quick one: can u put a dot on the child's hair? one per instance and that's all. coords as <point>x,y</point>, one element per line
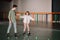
<point>14,6</point>
<point>27,12</point>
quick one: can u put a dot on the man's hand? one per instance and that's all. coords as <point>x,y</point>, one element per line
<point>10,21</point>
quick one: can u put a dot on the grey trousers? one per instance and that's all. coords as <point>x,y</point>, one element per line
<point>10,25</point>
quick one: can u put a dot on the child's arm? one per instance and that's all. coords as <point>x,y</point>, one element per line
<point>21,16</point>
<point>32,18</point>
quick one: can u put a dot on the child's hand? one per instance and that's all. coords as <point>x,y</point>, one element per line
<point>17,14</point>
<point>33,20</point>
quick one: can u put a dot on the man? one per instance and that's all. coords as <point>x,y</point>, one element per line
<point>12,20</point>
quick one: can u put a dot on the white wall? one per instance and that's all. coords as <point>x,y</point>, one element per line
<point>19,4</point>
<point>35,6</point>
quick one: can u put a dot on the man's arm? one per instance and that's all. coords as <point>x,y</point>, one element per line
<point>9,16</point>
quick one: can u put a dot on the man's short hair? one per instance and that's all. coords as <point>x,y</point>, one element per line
<point>14,5</point>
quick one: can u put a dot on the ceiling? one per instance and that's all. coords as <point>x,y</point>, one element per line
<point>6,0</point>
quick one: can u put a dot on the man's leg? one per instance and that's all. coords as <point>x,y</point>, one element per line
<point>15,29</point>
<point>9,27</point>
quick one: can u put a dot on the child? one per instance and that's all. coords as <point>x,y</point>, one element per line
<point>26,21</point>
<point>12,19</point>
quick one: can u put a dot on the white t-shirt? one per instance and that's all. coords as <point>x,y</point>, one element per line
<point>26,18</point>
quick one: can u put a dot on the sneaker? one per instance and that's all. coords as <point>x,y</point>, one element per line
<point>16,35</point>
<point>29,34</point>
<point>24,33</point>
<point>8,34</point>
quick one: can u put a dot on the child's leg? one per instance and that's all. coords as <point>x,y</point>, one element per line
<point>24,27</point>
<point>28,28</point>
<point>9,27</point>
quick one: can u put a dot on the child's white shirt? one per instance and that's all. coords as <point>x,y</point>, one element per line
<point>26,18</point>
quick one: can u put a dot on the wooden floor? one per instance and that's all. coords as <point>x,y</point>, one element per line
<point>39,31</point>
